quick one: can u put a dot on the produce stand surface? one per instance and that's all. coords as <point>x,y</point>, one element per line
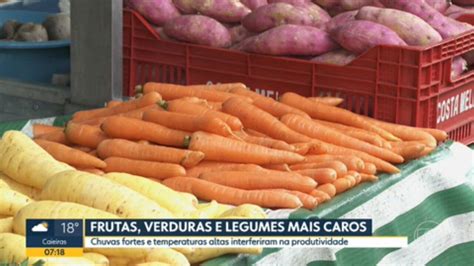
<point>431,202</point>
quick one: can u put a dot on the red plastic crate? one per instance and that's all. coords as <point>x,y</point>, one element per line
<point>404,85</point>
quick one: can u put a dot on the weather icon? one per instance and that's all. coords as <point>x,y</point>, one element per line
<point>42,227</point>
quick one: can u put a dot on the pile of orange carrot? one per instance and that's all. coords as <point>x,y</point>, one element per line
<point>227,143</point>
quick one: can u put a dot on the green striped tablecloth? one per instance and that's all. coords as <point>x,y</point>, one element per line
<point>431,202</point>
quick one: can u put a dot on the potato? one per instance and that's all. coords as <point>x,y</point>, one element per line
<point>446,26</point>
<point>30,32</point>
<point>9,29</point>
<point>340,20</point>
<point>254,4</point>
<point>359,36</point>
<point>458,67</point>
<point>229,11</point>
<point>11,201</point>
<point>58,26</point>
<point>339,57</point>
<point>166,255</point>
<point>273,15</point>
<point>412,29</point>
<point>198,29</point>
<point>58,261</point>
<point>157,12</point>
<point>13,248</point>
<point>290,40</point>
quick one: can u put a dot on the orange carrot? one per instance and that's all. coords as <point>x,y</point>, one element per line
<point>381,164</point>
<point>333,114</point>
<point>92,171</point>
<point>216,106</point>
<point>352,162</point>
<point>352,180</point>
<point>84,135</point>
<point>405,133</point>
<point>321,132</point>
<point>364,135</point>
<point>144,168</point>
<point>113,103</point>
<point>439,135</point>
<point>303,148</point>
<point>338,166</point>
<point>265,141</point>
<point>283,167</point>
<point>225,87</point>
<point>409,150</point>
<point>334,101</point>
<point>81,148</point>
<point>136,114</point>
<point>143,142</point>
<point>94,153</point>
<point>309,202</point>
<point>172,92</point>
<point>149,99</point>
<point>146,152</point>
<point>186,122</point>
<point>40,129</point>
<point>180,106</point>
<point>369,168</point>
<point>255,118</point>
<point>134,129</point>
<point>255,133</point>
<point>356,176</point>
<point>268,104</point>
<point>368,178</point>
<point>329,189</point>
<point>205,190</point>
<point>208,166</point>
<point>218,148</point>
<point>69,155</point>
<point>261,180</point>
<point>57,136</point>
<point>341,184</point>
<point>320,195</point>
<point>321,175</point>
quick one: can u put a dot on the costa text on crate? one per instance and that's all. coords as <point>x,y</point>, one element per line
<point>455,105</point>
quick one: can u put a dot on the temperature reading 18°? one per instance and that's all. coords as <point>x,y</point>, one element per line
<point>69,227</point>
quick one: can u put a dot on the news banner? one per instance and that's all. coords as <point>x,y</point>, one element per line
<point>68,238</point>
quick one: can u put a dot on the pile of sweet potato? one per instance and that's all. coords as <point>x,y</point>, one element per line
<point>327,31</point>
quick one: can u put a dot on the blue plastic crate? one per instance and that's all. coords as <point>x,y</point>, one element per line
<point>34,62</point>
<point>50,6</point>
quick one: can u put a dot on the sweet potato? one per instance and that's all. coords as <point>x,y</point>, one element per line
<point>458,67</point>
<point>254,4</point>
<point>440,5</point>
<point>318,15</point>
<point>229,11</point>
<point>273,15</point>
<point>340,20</point>
<point>157,12</point>
<point>359,36</point>
<point>412,29</point>
<point>199,30</point>
<point>185,6</point>
<point>290,40</point>
<point>239,33</point>
<point>339,57</point>
<point>355,4</point>
<point>446,26</point>
<point>456,12</point>
<point>327,3</point>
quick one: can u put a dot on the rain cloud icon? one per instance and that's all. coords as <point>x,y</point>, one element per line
<point>42,227</point>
